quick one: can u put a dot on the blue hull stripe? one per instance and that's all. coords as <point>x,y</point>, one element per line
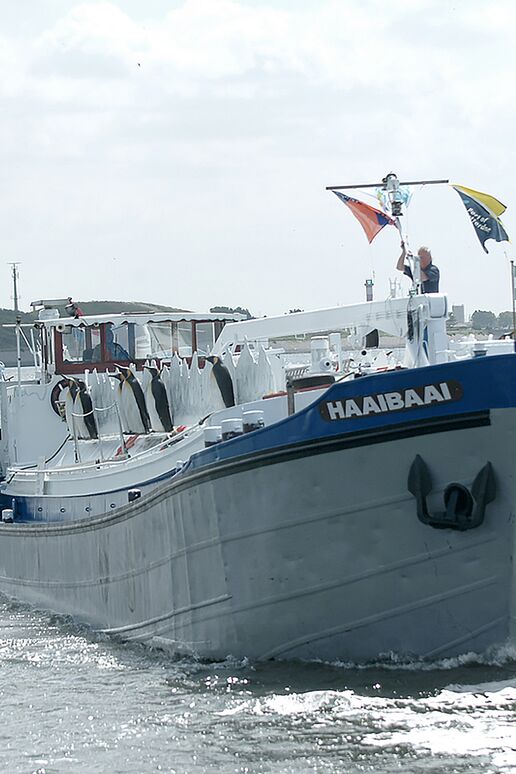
<point>192,477</point>
<point>480,384</point>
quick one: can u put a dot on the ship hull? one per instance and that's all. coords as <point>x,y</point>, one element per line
<point>310,550</point>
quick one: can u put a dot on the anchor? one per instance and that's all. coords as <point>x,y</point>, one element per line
<point>465,509</point>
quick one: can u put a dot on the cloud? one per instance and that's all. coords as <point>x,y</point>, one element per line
<point>209,130</point>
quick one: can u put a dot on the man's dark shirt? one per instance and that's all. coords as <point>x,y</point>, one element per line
<point>114,350</point>
<point>430,285</point>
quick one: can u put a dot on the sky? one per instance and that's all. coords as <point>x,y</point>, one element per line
<point>178,152</point>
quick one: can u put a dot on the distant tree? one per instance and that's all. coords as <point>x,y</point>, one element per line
<point>293,311</point>
<point>233,310</point>
<point>505,320</point>
<point>482,320</point>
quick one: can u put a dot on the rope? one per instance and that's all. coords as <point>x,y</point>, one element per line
<point>94,409</point>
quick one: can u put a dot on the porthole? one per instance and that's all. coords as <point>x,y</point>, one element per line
<point>63,510</point>
<point>87,509</point>
<point>113,505</point>
<point>40,509</point>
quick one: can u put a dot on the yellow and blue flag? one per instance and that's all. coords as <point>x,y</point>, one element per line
<point>484,211</point>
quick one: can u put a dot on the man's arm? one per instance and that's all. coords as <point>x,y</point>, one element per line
<point>401,260</point>
<point>407,271</point>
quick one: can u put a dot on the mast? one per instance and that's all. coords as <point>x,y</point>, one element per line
<point>391,185</point>
<point>15,276</point>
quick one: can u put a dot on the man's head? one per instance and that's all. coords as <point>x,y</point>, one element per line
<point>425,257</point>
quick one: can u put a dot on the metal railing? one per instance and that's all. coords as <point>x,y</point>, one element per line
<point>296,372</point>
<point>94,411</point>
<point>106,464</point>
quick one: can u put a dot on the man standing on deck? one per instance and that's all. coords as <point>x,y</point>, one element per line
<point>429,272</point>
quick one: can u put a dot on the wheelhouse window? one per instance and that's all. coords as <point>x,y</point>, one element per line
<point>73,344</point>
<point>205,337</point>
<point>159,342</point>
<point>103,345</point>
<point>117,342</point>
<point>80,344</point>
<point>184,339</point>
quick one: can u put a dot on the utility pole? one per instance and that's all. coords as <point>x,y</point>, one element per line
<point>15,276</point>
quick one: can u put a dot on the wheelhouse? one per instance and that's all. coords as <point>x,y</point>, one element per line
<point>103,341</point>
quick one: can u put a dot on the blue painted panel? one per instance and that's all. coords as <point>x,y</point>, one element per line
<point>483,383</point>
<point>47,508</point>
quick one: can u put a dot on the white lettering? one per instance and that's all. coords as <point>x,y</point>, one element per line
<point>394,401</point>
<point>389,401</point>
<point>370,405</point>
<point>336,410</point>
<point>432,394</point>
<point>412,399</point>
<point>445,391</point>
<point>352,409</point>
<point>383,403</point>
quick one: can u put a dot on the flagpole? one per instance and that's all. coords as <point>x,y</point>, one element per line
<point>513,306</point>
<point>380,185</point>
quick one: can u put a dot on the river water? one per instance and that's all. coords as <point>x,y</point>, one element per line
<point>72,701</point>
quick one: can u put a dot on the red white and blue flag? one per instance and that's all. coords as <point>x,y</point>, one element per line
<point>371,219</point>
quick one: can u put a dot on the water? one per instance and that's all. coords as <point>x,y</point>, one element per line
<point>72,701</point>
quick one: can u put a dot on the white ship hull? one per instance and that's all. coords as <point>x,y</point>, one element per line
<point>304,552</point>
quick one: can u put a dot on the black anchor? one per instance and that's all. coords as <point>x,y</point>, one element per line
<point>465,509</point>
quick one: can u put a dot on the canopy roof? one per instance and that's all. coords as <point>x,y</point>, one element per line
<point>141,318</point>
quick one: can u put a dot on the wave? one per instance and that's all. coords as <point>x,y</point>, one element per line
<point>495,656</point>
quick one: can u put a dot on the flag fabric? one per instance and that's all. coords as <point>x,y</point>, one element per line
<point>404,193</point>
<point>483,211</point>
<point>496,207</point>
<point>371,219</point>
